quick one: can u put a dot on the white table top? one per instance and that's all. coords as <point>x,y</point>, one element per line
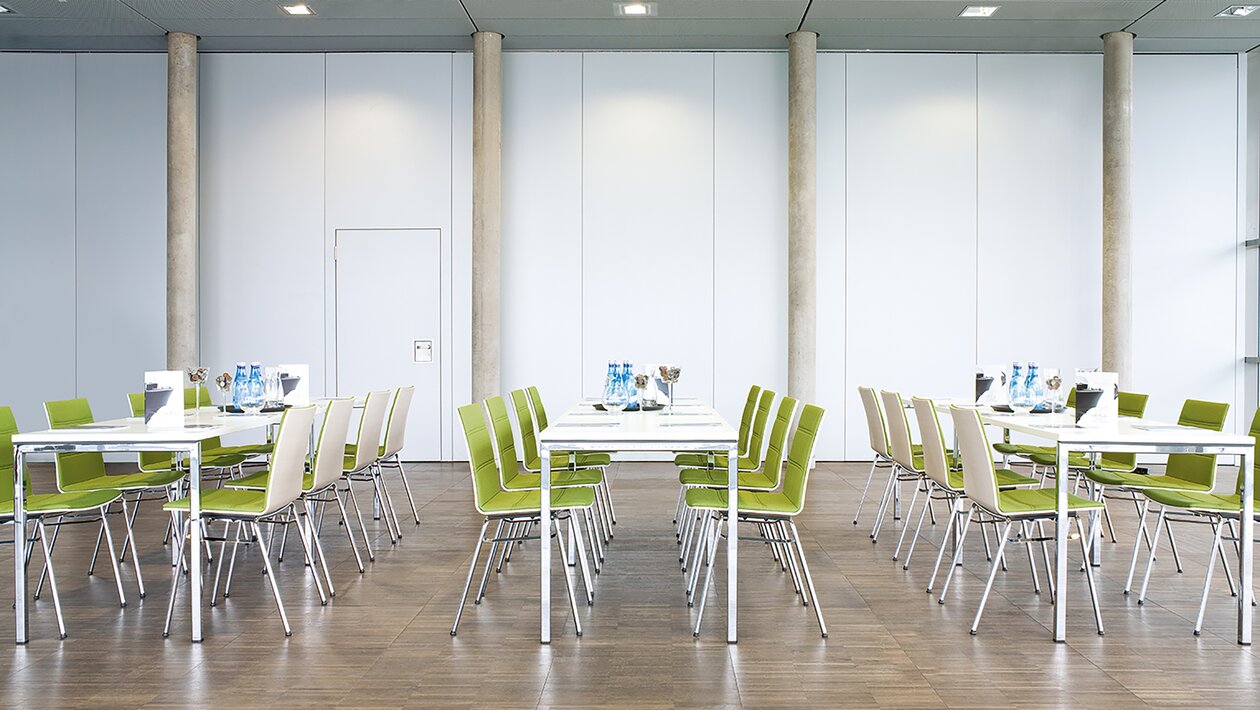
<point>1125,430</point>
<point>690,423</point>
<point>199,425</point>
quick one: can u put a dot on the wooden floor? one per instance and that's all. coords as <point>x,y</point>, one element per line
<point>384,641</point>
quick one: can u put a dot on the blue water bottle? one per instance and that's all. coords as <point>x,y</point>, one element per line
<point>239,385</point>
<point>1033,386</point>
<point>1016,388</point>
<point>632,392</point>
<point>255,388</point>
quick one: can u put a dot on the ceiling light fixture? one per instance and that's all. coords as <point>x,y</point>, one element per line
<point>979,10</point>
<point>1237,11</point>
<point>636,9</point>
<point>4,10</point>
<point>297,9</point>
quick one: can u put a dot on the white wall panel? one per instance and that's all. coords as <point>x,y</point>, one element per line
<point>832,388</point>
<point>647,215</point>
<point>542,225</point>
<point>37,230</point>
<point>1185,231</point>
<point>120,196</point>
<point>911,196</point>
<point>262,210</point>
<point>1040,210</point>
<point>749,227</point>
<point>389,146</point>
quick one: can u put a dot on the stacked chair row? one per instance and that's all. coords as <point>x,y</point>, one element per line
<point>975,490</point>
<point>507,492</point>
<point>291,486</point>
<point>769,497</point>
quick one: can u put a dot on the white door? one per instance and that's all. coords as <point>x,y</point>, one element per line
<point>388,321</point>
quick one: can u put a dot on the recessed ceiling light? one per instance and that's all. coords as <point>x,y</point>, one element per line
<point>979,10</point>
<point>297,9</point>
<point>636,9</point>
<point>1237,11</point>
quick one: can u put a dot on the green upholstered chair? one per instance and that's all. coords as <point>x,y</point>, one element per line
<point>514,478</point>
<point>362,464</point>
<point>515,509</point>
<point>274,504</point>
<point>1008,507</point>
<point>751,459</point>
<point>707,459</point>
<point>214,456</point>
<point>775,511</point>
<point>561,461</point>
<point>214,447</point>
<point>540,418</point>
<point>81,472</point>
<point>1216,509</point>
<point>767,479</point>
<point>56,508</point>
<point>945,480</point>
<point>1131,404</point>
<point>1006,448</point>
<point>319,483</point>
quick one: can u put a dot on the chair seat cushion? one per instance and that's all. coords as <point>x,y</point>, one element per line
<point>1143,482</point>
<point>1081,461</point>
<point>752,502</point>
<point>258,481</point>
<point>559,479</point>
<point>1028,501</point>
<point>352,449</point>
<point>714,478</point>
<point>46,503</point>
<point>225,501</point>
<point>530,501</point>
<point>248,450</point>
<point>1006,478</point>
<point>1192,500</point>
<point>126,482</point>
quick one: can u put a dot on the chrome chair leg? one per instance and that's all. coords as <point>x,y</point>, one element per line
<point>701,548</point>
<point>957,554</point>
<point>909,511</point>
<point>299,519</point>
<point>485,576</point>
<point>568,574</point>
<point>345,523</point>
<point>575,530</point>
<point>869,477</point>
<point>955,509</point>
<point>1026,529</point>
<point>1137,543</point>
<point>397,460</point>
<point>679,505</point>
<point>781,531</point>
<point>1089,575</point>
<point>712,544</point>
<point>1218,528</point>
<point>917,528</point>
<point>809,579</point>
<point>1150,562</point>
<point>984,598</point>
<point>472,568</point>
<point>275,586</point>
<point>180,535</point>
<point>354,500</point>
<point>52,576</point>
<point>884,502</point>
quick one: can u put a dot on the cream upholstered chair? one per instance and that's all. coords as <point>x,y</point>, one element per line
<point>877,432</point>
<point>361,465</point>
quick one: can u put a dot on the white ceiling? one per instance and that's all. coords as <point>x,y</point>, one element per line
<point>930,25</point>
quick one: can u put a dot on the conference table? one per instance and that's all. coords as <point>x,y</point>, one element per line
<point>129,435</point>
<point>688,425</point>
<point>1141,436</point>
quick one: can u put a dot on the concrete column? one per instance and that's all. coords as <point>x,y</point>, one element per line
<point>802,214</point>
<point>181,200</point>
<point>1117,263</point>
<point>487,217</point>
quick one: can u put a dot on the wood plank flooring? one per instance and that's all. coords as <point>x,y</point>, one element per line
<point>383,641</point>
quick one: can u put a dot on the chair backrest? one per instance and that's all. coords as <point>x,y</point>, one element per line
<point>1198,468</point>
<point>525,423</point>
<point>797,476</point>
<point>330,446</point>
<point>79,466</point>
<point>540,412</point>
<point>396,426</point>
<point>368,442</point>
<point>190,397</point>
<point>149,460</point>
<point>876,429</point>
<point>8,427</point>
<point>899,443</point>
<point>746,419</point>
<point>485,473</point>
<point>935,464</point>
<point>288,458</point>
<point>505,443</point>
<point>1255,461</point>
<point>772,465</point>
<point>756,438</point>
<point>979,479</point>
<point>1130,404</point>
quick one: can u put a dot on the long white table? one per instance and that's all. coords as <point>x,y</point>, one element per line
<point>126,435</point>
<point>690,426</point>
<point>1138,436</point>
